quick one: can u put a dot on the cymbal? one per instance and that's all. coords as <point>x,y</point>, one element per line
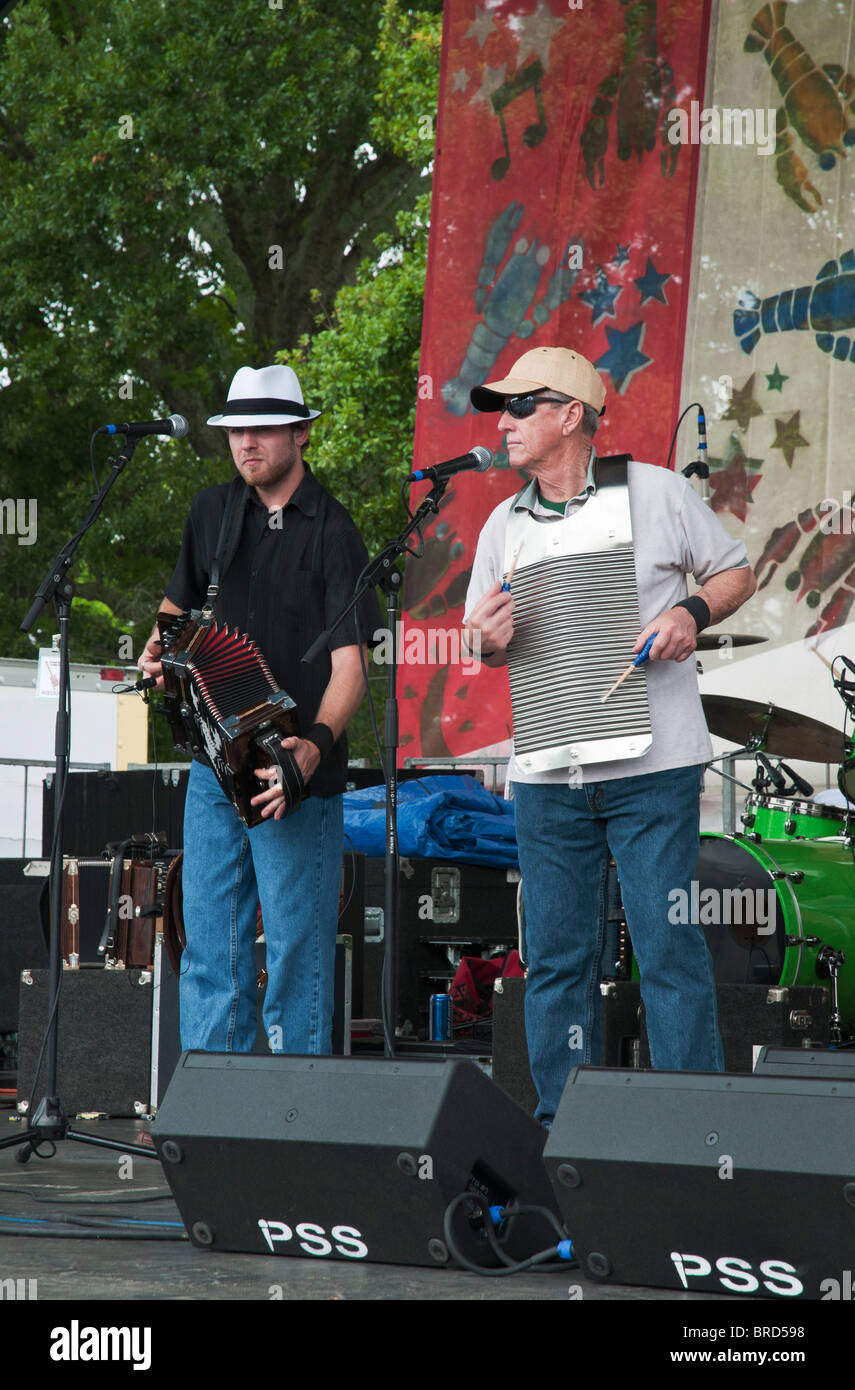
<point>711,641</point>
<point>784,733</point>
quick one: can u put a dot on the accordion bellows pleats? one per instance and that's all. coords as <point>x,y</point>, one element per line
<point>224,705</point>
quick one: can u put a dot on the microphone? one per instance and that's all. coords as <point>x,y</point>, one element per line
<point>175,425</point>
<point>702,432</point>
<point>774,774</point>
<point>478,459</point>
<point>798,782</point>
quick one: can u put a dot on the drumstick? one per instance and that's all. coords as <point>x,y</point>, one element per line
<point>506,587</point>
<point>642,656</point>
<point>824,659</point>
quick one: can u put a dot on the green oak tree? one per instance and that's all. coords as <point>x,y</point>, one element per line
<point>185,188</point>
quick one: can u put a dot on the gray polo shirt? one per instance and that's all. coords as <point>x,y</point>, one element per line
<point>674,534</point>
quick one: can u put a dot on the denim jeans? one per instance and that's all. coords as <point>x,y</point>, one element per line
<point>564,833</point>
<point>293,867</point>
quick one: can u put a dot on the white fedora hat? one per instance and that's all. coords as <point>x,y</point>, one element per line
<point>268,396</point>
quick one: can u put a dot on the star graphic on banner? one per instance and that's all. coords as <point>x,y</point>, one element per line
<point>743,406</point>
<point>459,80</point>
<point>536,34</point>
<point>651,283</point>
<point>480,28</point>
<point>601,298</point>
<point>491,78</point>
<point>624,357</point>
<point>788,439</point>
<point>621,255</point>
<point>776,379</point>
<point>733,480</point>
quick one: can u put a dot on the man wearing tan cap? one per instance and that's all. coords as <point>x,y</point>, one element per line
<point>641,808</point>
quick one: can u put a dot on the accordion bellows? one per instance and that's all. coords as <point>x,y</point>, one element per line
<point>224,705</point>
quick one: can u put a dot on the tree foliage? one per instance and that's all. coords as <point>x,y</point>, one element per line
<point>184,189</point>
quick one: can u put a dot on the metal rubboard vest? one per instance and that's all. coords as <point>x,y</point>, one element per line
<point>576,620</point>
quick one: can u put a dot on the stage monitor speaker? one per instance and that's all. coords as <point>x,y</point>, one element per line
<point>707,1182</point>
<point>348,1158</point>
<point>824,1064</point>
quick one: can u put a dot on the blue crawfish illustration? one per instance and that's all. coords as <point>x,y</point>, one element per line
<point>817,101</point>
<point>504,299</point>
<point>824,308</point>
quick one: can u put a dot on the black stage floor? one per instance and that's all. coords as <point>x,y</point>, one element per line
<point>70,1286</point>
<point>85,1182</point>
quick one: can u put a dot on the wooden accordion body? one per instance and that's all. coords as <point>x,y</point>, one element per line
<point>223,704</point>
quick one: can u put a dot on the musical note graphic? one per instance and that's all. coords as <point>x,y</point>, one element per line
<point>528,77</point>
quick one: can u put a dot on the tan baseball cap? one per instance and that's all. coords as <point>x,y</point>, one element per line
<point>552,368</point>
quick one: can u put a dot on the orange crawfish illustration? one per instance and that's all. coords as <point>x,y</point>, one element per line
<point>817,101</point>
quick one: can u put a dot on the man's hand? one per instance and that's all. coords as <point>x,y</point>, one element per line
<point>307,756</point>
<point>678,636</point>
<point>150,663</point>
<point>491,623</point>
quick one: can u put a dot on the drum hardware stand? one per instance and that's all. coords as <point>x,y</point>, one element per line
<point>50,1121</point>
<point>828,963</point>
<point>728,804</point>
<point>383,572</point>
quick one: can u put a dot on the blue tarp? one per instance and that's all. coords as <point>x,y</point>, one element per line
<point>439,818</point>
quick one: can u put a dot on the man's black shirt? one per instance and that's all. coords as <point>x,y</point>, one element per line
<point>291,575</point>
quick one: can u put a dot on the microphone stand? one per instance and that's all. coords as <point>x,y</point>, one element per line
<point>383,572</point>
<point>50,1122</point>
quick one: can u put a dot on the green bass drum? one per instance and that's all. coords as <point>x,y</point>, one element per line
<point>751,897</point>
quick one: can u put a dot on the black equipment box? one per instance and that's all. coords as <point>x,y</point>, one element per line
<point>510,1050</point>
<point>23,938</point>
<point>166,1036</point>
<point>445,910</point>
<point>749,1016</point>
<point>103,1039</point>
<point>103,807</point>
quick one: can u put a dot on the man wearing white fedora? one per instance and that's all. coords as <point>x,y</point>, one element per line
<point>290,556</point>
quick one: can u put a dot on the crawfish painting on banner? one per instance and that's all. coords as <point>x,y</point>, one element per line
<point>771,337</point>
<point>562,214</point>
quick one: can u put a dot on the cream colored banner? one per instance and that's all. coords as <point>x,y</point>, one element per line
<point>770,347</point>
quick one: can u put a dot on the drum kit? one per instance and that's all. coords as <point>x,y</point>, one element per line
<point>780,892</point>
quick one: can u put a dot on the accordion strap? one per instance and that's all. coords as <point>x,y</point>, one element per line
<point>227,541</point>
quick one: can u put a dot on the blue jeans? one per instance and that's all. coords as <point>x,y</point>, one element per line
<point>564,834</point>
<point>293,867</point>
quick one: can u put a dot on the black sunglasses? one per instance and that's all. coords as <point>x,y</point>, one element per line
<point>520,407</point>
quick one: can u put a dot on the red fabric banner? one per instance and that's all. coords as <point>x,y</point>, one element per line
<point>562,214</point>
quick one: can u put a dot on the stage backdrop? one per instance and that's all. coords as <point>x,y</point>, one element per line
<point>652,189</point>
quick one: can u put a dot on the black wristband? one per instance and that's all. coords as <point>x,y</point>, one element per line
<point>322,736</point>
<point>699,610</point>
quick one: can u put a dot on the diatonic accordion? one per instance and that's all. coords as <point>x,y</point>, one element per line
<point>225,707</point>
